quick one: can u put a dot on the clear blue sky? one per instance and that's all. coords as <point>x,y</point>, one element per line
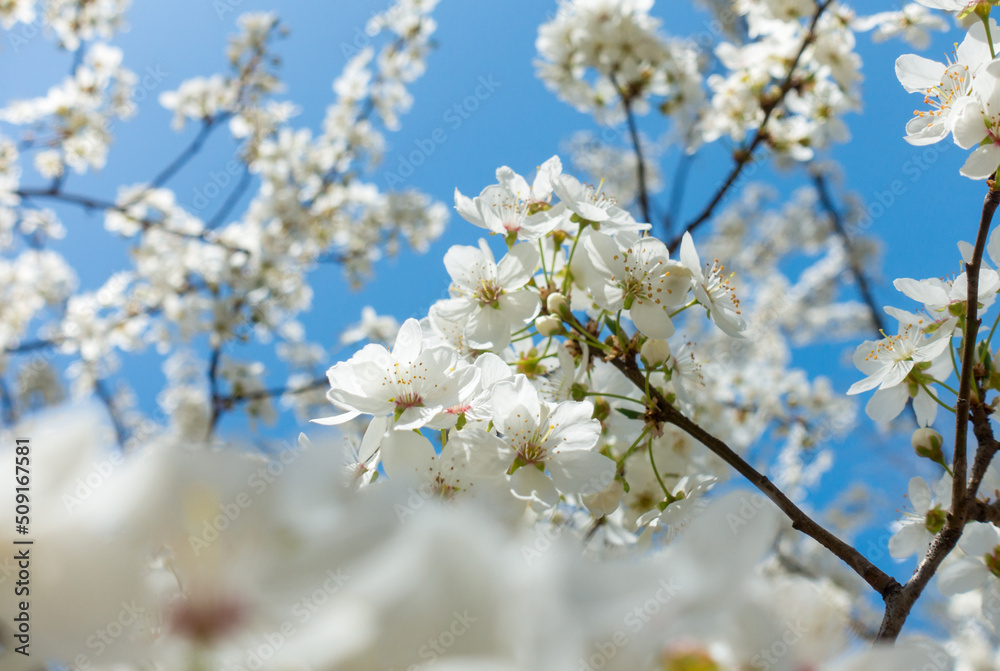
<point>520,124</point>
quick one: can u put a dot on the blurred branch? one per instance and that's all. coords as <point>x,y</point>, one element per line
<point>91,203</point>
<point>677,191</point>
<point>241,187</point>
<point>633,131</point>
<point>744,154</point>
<point>102,392</point>
<point>837,220</point>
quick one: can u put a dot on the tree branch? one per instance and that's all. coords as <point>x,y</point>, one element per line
<point>899,604</point>
<point>744,154</point>
<point>662,411</point>
<point>634,133</point>
<point>231,200</point>
<point>208,124</point>
<point>677,191</point>
<point>837,220</point>
<point>91,203</point>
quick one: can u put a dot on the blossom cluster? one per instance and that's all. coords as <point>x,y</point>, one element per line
<point>534,472</point>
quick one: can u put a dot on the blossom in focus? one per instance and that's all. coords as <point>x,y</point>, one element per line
<point>412,383</point>
<point>490,298</point>
<point>947,86</point>
<point>551,444</point>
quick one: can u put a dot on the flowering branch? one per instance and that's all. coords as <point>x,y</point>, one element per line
<point>899,604</point>
<point>90,203</point>
<point>661,410</point>
<point>744,154</point>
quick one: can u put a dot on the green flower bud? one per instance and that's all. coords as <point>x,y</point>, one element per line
<point>927,443</point>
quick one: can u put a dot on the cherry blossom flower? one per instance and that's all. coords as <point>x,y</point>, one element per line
<point>412,383</point>
<point>914,533</point>
<point>947,87</point>
<point>890,361</point>
<point>713,289</point>
<point>490,298</point>
<point>551,443</point>
<point>636,274</point>
<point>511,207</point>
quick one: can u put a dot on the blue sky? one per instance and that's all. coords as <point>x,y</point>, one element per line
<point>519,123</point>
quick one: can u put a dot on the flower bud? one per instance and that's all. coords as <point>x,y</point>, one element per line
<point>927,443</point>
<point>549,325</point>
<point>654,352</point>
<point>557,303</point>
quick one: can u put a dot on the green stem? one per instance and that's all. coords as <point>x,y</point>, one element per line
<point>939,402</point>
<point>572,251</point>
<point>624,398</point>
<point>989,38</point>
<point>954,361</point>
<point>656,472</point>
<point>541,254</point>
<point>631,449</point>
<point>681,309</point>
<point>947,386</point>
<point>992,330</point>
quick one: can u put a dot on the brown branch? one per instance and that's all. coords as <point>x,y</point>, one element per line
<point>662,411</point>
<point>987,448</point>
<point>744,154</point>
<point>90,203</point>
<point>634,133</point>
<point>980,511</point>
<point>837,220</point>
<point>899,604</point>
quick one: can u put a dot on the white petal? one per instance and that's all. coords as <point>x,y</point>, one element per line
<point>652,320</point>
<point>920,495</point>
<point>979,538</point>
<point>982,163</point>
<point>910,539</point>
<point>917,73</point>
<point>405,453</point>
<point>409,340</point>
<point>531,484</point>
<point>516,268</point>
<point>886,404</point>
<point>581,472</point>
<point>961,576</point>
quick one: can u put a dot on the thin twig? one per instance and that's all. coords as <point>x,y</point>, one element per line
<point>316,383</point>
<point>213,381</point>
<point>230,201</point>
<point>864,288</point>
<point>634,133</point>
<point>208,124</point>
<point>744,154</point>
<point>102,393</point>
<point>677,191</point>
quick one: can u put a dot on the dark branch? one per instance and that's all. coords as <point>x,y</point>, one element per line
<point>837,220</point>
<point>744,154</point>
<point>219,217</point>
<point>662,411</point>
<point>899,604</point>
<point>636,145</point>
